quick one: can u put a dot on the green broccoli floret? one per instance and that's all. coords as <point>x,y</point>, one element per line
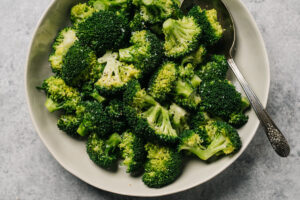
<point>115,75</point>
<point>65,39</point>
<point>120,7</point>
<point>162,82</point>
<point>179,117</point>
<point>80,13</point>
<point>215,69</point>
<point>77,65</point>
<point>195,57</point>
<point>103,152</point>
<point>69,124</point>
<point>137,23</point>
<point>186,71</point>
<point>133,152</point>
<point>89,92</point>
<point>115,112</point>
<point>163,167</point>
<point>145,52</point>
<point>147,116</point>
<point>60,95</point>
<point>153,11</point>
<point>223,139</point>
<point>239,119</point>
<point>220,99</point>
<point>103,31</point>
<point>211,28</point>
<point>181,36</point>
<point>198,119</point>
<point>94,119</point>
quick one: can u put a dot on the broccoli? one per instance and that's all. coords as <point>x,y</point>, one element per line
<point>65,39</point>
<point>211,28</point>
<point>181,36</point>
<point>215,69</point>
<point>94,119</point>
<point>69,124</point>
<point>115,112</point>
<point>133,152</point>
<point>120,7</point>
<point>77,65</point>
<point>220,99</point>
<point>60,95</point>
<point>153,11</point>
<point>238,119</point>
<point>186,71</point>
<point>90,93</point>
<point>163,166</point>
<point>137,23</point>
<point>179,117</point>
<point>80,13</point>
<point>195,57</point>
<point>222,138</point>
<point>103,152</point>
<point>198,119</point>
<point>162,82</point>
<point>147,116</point>
<point>145,52</point>
<point>103,31</point>
<point>115,75</point>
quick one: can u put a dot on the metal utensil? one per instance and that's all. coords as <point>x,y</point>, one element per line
<point>227,47</point>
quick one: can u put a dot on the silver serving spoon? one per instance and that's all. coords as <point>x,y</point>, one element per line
<point>226,47</point>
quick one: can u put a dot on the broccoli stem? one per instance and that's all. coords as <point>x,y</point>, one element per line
<point>82,130</point>
<point>183,88</point>
<point>195,81</point>
<point>97,96</point>
<point>165,126</point>
<point>51,105</point>
<point>126,54</point>
<point>152,114</point>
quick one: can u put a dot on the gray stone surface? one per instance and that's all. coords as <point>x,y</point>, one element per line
<point>28,171</point>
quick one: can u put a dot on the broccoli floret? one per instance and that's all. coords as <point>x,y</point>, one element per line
<point>69,124</point>
<point>65,39</point>
<point>103,152</point>
<point>115,75</point>
<point>220,99</point>
<point>162,82</point>
<point>120,7</point>
<point>60,95</point>
<point>223,139</point>
<point>89,92</point>
<point>195,57</point>
<point>215,69</point>
<point>103,31</point>
<point>153,11</point>
<point>94,119</point>
<point>179,117</point>
<point>163,166</point>
<point>147,116</point>
<point>186,71</point>
<point>198,119</point>
<point>239,119</point>
<point>181,36</point>
<point>80,13</point>
<point>115,111</point>
<point>145,52</point>
<point>245,104</point>
<point>137,23</point>
<point>211,28</point>
<point>133,152</point>
<point>77,65</point>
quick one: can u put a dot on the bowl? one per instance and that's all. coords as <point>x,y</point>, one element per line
<point>251,57</point>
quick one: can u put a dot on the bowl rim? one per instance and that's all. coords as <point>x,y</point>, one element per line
<point>221,169</point>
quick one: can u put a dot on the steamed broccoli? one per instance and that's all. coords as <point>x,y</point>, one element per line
<point>78,64</point>
<point>80,12</point>
<point>145,52</point>
<point>115,112</point>
<point>215,69</point>
<point>181,36</point>
<point>223,139</point>
<point>153,11</point>
<point>103,152</point>
<point>103,31</point>
<point>148,117</point>
<point>137,23</point>
<point>163,166</point>
<point>196,57</point>
<point>115,75</point>
<point>211,28</point>
<point>89,92</point>
<point>238,119</point>
<point>162,82</point>
<point>133,152</point>
<point>65,39</point>
<point>94,119</point>
<point>198,119</point>
<point>60,95</point>
<point>120,7</point>
<point>179,117</point>
<point>69,124</point>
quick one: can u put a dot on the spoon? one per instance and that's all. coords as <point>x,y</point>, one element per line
<point>227,46</point>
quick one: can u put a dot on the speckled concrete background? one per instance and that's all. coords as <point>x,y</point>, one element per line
<point>28,171</point>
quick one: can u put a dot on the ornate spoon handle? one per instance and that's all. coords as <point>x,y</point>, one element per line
<point>276,138</point>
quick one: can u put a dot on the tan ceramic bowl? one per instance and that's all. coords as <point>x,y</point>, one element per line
<point>251,58</point>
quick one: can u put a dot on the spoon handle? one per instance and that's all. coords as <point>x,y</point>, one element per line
<point>276,138</point>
